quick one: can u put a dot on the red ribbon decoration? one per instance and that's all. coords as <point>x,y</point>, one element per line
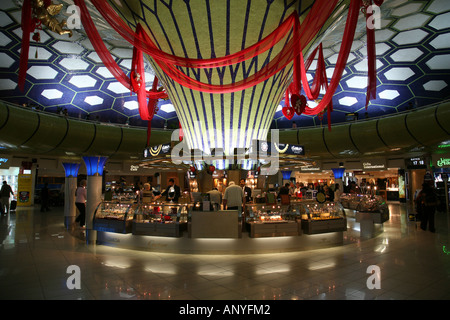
<point>291,52</point>
<point>27,28</point>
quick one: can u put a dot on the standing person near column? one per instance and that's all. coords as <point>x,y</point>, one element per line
<point>428,200</point>
<point>5,192</point>
<point>80,202</point>
<point>45,195</point>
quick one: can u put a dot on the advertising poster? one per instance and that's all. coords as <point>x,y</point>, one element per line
<point>24,190</point>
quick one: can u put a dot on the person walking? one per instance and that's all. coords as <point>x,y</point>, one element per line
<point>80,202</point>
<point>5,193</point>
<point>45,194</point>
<point>427,200</point>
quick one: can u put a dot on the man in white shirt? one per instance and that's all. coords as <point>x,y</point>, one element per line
<point>233,197</point>
<point>215,196</point>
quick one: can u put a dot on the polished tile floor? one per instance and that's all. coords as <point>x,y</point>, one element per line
<point>36,251</point>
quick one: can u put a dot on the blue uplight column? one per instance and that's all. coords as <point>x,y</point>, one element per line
<point>338,174</point>
<point>70,185</point>
<point>94,170</point>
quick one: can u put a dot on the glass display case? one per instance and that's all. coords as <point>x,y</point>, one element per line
<point>323,217</point>
<point>113,216</point>
<point>263,220</point>
<point>373,204</point>
<point>167,219</point>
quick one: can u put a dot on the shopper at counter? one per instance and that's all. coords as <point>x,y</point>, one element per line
<point>329,194</point>
<point>147,193</point>
<point>283,190</point>
<point>234,197</point>
<point>247,190</point>
<point>172,192</point>
<point>215,196</point>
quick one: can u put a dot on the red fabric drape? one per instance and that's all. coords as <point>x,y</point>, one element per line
<point>314,21</point>
<point>172,65</point>
<point>371,60</point>
<point>347,40</point>
<point>27,28</point>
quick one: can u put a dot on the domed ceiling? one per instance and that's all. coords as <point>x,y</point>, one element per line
<point>413,62</point>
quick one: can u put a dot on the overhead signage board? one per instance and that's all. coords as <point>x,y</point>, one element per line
<point>416,163</point>
<point>440,160</point>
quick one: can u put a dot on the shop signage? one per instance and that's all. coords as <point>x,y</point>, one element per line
<point>134,168</point>
<point>308,169</point>
<point>443,162</point>
<point>157,150</point>
<point>371,165</point>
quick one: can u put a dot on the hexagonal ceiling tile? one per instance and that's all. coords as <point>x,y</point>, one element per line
<point>131,105</point>
<point>358,82</point>
<point>441,41</point>
<point>389,94</point>
<point>94,57</point>
<point>4,19</point>
<point>399,74</point>
<point>74,64</point>
<point>42,72</point>
<point>38,53</point>
<point>406,55</point>
<point>439,62</point>
<point>440,22</point>
<point>439,6</point>
<point>4,40</point>
<point>122,53</point>
<point>348,101</point>
<point>411,22</point>
<point>117,87</point>
<point>83,81</point>
<point>104,72</point>
<point>407,9</point>
<point>93,100</point>
<point>410,37</point>
<point>5,60</point>
<point>168,107</point>
<point>435,85</point>
<point>52,94</point>
<point>68,47</point>
<point>7,84</point>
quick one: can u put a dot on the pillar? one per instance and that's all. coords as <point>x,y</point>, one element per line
<point>338,174</point>
<point>94,170</point>
<point>70,186</point>
<point>286,177</point>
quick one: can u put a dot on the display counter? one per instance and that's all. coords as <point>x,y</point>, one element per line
<point>371,211</point>
<point>263,220</point>
<point>113,216</point>
<point>215,224</point>
<point>166,219</point>
<point>305,216</point>
<point>322,217</point>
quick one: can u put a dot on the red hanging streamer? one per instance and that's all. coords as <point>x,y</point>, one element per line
<point>303,33</point>
<point>27,28</point>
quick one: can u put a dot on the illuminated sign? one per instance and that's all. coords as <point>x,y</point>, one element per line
<point>134,168</point>
<point>443,162</point>
<point>2,161</point>
<point>416,163</point>
<point>370,165</point>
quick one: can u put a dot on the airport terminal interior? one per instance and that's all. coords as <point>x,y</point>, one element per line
<point>225,150</point>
